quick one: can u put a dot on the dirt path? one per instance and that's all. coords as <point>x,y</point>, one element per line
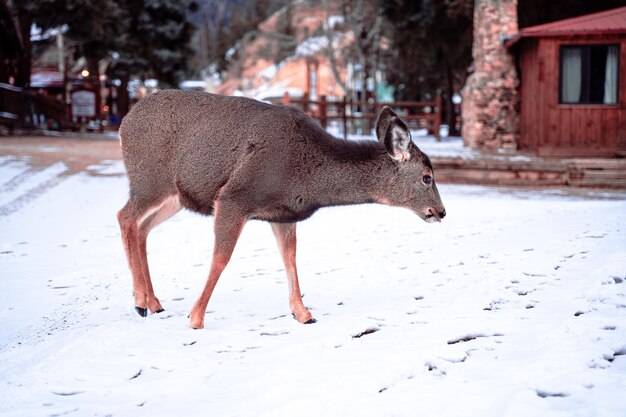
<point>45,162</point>
<point>76,153</point>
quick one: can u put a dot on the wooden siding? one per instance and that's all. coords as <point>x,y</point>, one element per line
<point>550,128</point>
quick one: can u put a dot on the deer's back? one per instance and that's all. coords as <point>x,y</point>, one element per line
<point>195,144</point>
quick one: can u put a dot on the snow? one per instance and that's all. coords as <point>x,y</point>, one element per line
<point>444,147</point>
<point>311,46</point>
<point>269,72</point>
<point>447,146</point>
<point>335,20</point>
<point>513,306</point>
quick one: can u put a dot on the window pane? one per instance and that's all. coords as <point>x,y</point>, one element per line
<point>597,73</point>
<point>610,77</point>
<point>571,75</point>
<point>589,74</point>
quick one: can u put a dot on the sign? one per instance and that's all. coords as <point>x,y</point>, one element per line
<point>46,79</point>
<point>83,103</point>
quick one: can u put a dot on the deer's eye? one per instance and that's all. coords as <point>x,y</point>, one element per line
<point>427,179</point>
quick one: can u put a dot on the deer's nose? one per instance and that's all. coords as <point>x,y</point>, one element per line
<point>442,213</point>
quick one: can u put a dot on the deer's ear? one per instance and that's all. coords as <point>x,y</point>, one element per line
<point>394,134</point>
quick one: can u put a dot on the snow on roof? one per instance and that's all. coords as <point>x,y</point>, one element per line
<point>269,72</point>
<point>312,46</point>
<point>38,34</point>
<point>267,93</point>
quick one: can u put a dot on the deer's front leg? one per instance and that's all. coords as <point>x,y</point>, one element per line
<point>286,237</point>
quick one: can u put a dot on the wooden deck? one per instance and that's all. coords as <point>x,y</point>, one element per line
<point>534,172</point>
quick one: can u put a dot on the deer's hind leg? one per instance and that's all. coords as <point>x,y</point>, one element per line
<point>135,224</point>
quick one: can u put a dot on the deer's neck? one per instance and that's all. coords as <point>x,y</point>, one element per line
<point>352,173</point>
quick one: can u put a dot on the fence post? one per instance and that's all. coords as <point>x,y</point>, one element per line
<point>437,123</point>
<point>344,117</point>
<point>323,109</point>
<point>286,99</point>
<point>305,103</point>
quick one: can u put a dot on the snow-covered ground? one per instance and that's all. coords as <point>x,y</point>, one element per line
<point>513,306</point>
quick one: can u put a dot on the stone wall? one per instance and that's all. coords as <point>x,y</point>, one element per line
<point>490,97</point>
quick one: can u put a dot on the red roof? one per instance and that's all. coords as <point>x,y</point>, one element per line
<point>602,23</point>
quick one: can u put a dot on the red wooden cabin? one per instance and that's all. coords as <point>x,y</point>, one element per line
<point>573,85</point>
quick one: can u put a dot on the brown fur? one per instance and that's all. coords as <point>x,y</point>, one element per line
<point>241,159</point>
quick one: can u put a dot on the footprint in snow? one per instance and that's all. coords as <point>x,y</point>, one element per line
<point>471,336</point>
<point>495,305</point>
<point>611,357</point>
<point>279,333</point>
<point>434,369</point>
<point>369,330</point>
<point>68,393</point>
<point>546,394</point>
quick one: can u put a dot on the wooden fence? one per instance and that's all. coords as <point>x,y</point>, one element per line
<point>10,105</point>
<point>349,115</point>
<point>48,110</point>
<point>28,109</point>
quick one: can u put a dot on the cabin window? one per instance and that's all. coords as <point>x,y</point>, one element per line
<point>589,74</point>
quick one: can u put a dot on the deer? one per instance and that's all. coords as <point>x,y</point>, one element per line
<point>240,159</point>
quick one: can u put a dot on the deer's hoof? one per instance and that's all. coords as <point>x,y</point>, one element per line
<point>159,311</point>
<point>143,312</point>
<point>196,326</point>
<point>303,320</point>
<point>194,322</point>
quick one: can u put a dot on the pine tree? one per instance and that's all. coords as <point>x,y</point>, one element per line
<point>145,38</point>
<point>433,45</point>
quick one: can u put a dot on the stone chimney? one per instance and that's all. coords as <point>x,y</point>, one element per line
<point>490,98</point>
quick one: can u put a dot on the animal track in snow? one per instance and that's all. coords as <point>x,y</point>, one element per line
<point>546,394</point>
<point>278,333</point>
<point>471,336</point>
<point>611,357</point>
<point>495,304</point>
<point>434,369</point>
<point>369,330</point>
<point>607,359</point>
<point>67,393</point>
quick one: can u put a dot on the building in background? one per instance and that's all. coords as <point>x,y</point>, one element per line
<point>554,89</point>
<point>573,85</point>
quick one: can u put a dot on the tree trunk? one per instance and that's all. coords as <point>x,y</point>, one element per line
<point>24,65</point>
<point>122,97</point>
<point>490,96</point>
<point>450,114</point>
<point>94,81</point>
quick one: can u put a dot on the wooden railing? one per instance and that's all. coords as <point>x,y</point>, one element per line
<point>43,109</point>
<point>10,105</point>
<point>27,109</point>
<point>349,114</point>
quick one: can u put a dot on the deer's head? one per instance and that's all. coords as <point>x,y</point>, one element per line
<point>413,185</point>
